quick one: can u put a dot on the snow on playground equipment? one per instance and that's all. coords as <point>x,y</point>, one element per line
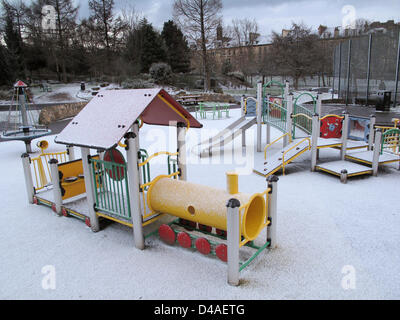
<point>21,124</point>
<point>106,186</point>
<point>303,130</point>
<point>246,121</point>
<point>386,149</point>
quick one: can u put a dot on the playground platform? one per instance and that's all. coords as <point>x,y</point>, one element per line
<point>367,157</point>
<point>340,168</point>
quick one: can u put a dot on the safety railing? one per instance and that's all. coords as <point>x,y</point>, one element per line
<point>302,120</point>
<point>143,156</point>
<point>396,123</point>
<point>41,168</point>
<point>111,188</point>
<point>275,115</point>
<point>391,141</point>
<point>273,90</point>
<point>293,147</point>
<point>275,141</point>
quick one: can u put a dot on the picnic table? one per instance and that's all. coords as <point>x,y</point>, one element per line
<point>189,100</point>
<point>45,87</point>
<point>214,108</point>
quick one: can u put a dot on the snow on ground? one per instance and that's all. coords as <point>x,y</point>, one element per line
<point>325,229</point>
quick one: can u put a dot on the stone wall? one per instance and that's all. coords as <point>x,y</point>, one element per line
<point>60,112</point>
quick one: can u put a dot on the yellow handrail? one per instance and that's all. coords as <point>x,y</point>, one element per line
<point>332,115</point>
<point>176,111</point>
<point>297,144</point>
<point>39,168</point>
<point>156,155</point>
<point>303,115</point>
<point>272,143</point>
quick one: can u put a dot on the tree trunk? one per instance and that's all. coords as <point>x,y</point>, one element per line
<point>204,50</point>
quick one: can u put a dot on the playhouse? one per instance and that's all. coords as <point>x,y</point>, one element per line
<point>112,181</point>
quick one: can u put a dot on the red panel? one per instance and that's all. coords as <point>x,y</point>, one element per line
<point>184,240</point>
<point>115,156</point>
<point>221,251</point>
<point>203,246</point>
<point>159,113</point>
<point>205,228</point>
<point>167,234</point>
<point>331,127</point>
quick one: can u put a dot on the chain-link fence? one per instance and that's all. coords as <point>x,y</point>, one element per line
<point>366,69</point>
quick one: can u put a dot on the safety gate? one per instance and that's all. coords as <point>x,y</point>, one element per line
<point>111,188</point>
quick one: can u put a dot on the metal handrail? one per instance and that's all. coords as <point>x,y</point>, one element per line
<point>275,141</point>
<point>297,144</point>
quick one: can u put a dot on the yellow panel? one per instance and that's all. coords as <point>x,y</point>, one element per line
<point>72,169</point>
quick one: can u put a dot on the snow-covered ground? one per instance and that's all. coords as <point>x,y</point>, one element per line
<point>335,241</point>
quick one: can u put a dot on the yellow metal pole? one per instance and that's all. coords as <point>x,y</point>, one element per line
<point>232,182</point>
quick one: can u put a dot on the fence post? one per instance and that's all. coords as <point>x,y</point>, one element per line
<point>30,189</point>
<point>348,73</point>
<point>133,185</point>
<point>272,182</point>
<point>318,107</point>
<point>242,105</point>
<point>181,144</point>
<point>371,135</point>
<point>397,73</point>
<point>55,180</point>
<point>267,111</point>
<point>368,66</point>
<point>289,119</point>
<point>233,238</point>
<point>343,176</point>
<point>260,103</point>
<point>377,151</point>
<point>340,69</point>
<point>345,134</point>
<point>287,90</point>
<point>87,172</point>
<point>314,140</point>
<point>135,130</point>
<point>71,153</point>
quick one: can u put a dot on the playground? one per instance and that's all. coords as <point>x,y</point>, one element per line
<point>322,227</point>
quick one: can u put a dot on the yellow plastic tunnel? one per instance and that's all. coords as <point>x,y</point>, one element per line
<point>206,205</point>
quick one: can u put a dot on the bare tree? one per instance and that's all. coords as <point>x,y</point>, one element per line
<point>199,19</point>
<point>245,31</point>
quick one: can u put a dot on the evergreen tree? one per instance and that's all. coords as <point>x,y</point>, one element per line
<point>144,47</point>
<point>6,74</point>
<point>12,36</point>
<point>153,47</point>
<point>177,49</point>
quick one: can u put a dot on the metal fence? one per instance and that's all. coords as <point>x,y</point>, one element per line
<point>365,65</point>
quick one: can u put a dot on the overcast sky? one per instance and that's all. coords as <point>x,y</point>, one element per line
<point>274,14</point>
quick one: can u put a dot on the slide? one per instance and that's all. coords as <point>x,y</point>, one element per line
<point>227,135</point>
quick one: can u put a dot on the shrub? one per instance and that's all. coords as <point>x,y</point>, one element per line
<point>161,72</point>
<point>136,84</point>
<point>237,75</point>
